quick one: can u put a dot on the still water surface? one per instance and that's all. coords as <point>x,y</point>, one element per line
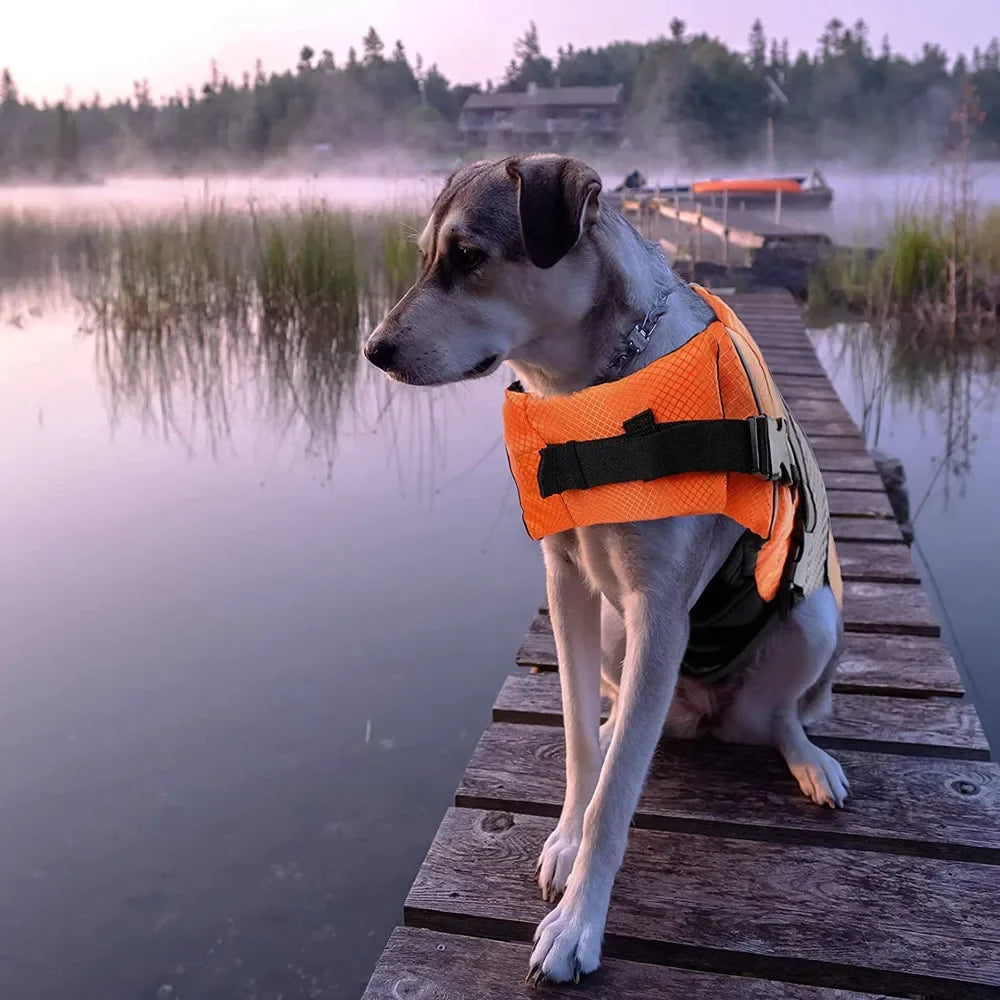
<point>939,412</point>
<point>236,689</point>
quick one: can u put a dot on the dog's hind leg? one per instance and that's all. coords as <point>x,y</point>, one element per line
<point>791,676</point>
<point>576,623</point>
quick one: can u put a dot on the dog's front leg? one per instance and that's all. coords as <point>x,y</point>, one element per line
<point>568,940</point>
<point>576,623</point>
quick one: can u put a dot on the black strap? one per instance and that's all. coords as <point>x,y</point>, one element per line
<point>648,450</point>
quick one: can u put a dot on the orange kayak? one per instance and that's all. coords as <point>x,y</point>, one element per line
<point>767,185</point>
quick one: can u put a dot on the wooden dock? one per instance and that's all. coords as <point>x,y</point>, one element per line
<point>721,235</point>
<point>734,886</point>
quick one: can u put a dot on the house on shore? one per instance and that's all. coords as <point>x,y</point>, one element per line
<point>543,117</point>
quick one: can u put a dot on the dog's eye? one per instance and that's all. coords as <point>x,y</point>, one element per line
<point>469,258</point>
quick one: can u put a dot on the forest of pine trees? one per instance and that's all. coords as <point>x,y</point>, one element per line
<point>685,93</point>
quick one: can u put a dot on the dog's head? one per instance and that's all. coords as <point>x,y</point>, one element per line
<point>503,256</point>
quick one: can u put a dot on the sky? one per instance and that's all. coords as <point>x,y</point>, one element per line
<point>102,46</point>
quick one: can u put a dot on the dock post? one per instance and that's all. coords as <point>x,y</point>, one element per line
<point>725,227</point>
<point>777,206</point>
<point>697,256</point>
<point>677,212</point>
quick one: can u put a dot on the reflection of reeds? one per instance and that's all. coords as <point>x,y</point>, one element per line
<point>926,331</point>
<point>895,362</point>
<point>198,306</point>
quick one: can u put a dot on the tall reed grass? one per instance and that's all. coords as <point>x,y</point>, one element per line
<point>186,306</point>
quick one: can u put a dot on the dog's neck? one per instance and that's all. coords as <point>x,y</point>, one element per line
<point>634,282</point>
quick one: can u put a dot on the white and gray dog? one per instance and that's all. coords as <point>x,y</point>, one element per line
<point>523,263</point>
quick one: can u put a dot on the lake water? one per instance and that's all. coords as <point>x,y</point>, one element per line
<point>247,646</point>
<point>943,422</point>
<point>237,689</point>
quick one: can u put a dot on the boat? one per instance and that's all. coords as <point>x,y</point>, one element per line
<point>796,192</point>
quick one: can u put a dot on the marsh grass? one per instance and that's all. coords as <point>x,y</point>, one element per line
<point>203,306</point>
<point>936,270</point>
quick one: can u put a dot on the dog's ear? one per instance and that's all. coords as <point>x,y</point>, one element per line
<point>556,200</point>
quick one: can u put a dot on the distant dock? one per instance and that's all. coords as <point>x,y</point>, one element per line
<point>721,233</point>
<point>734,886</point>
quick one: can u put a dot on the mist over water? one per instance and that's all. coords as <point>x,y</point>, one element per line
<point>864,207</point>
<point>149,197</point>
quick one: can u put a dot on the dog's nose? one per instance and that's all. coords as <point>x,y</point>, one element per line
<point>380,352</point>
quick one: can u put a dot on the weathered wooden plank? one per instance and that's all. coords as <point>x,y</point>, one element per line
<point>783,339</point>
<point>822,409</point>
<point>774,320</point>
<point>947,727</point>
<point>899,608</point>
<point>765,332</point>
<point>835,461</point>
<point>784,369</point>
<point>430,965</point>
<point>855,919</point>
<point>781,334</point>
<point>811,389</point>
<point>788,324</point>
<point>868,663</point>
<point>876,563</point>
<point>788,370</point>
<point>769,318</point>
<point>778,347</point>
<point>896,664</point>
<point>786,348</point>
<point>865,529</point>
<point>854,503</point>
<point>790,342</point>
<point>925,806</point>
<point>846,443</point>
<point>817,428</point>
<point>866,482</point>
<point>538,648</point>
<point>786,330</point>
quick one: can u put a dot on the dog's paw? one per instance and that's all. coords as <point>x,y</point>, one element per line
<point>567,946</point>
<point>821,778</point>
<point>556,862</point>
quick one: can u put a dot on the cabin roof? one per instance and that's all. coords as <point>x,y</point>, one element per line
<point>545,97</point>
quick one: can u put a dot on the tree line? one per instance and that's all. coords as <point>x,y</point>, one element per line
<point>686,95</point>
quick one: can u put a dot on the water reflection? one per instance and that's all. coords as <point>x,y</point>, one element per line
<point>947,379</point>
<point>191,318</point>
<point>184,383</point>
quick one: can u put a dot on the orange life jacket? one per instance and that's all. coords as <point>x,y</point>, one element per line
<point>711,405</point>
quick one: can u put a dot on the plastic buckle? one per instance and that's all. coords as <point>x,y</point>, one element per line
<point>637,340</point>
<point>770,452</point>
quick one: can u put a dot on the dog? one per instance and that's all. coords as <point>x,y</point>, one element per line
<point>523,263</point>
